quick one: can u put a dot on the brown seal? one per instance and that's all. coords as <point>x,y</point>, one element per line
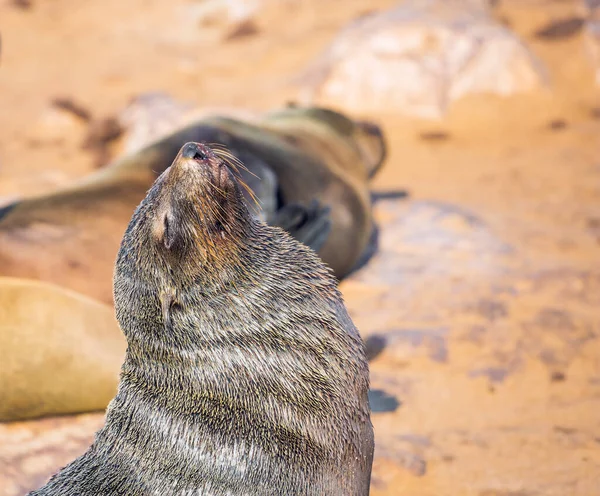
<point>61,351</point>
<point>318,153</point>
<point>308,167</point>
<point>244,374</point>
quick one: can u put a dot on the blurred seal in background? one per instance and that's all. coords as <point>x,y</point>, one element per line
<point>308,168</point>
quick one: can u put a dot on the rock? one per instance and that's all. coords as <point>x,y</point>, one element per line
<point>198,23</point>
<point>153,115</point>
<point>216,19</point>
<point>450,239</point>
<point>225,12</point>
<point>419,57</point>
<point>404,455</point>
<point>150,116</point>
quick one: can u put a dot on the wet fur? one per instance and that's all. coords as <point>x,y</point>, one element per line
<point>244,374</point>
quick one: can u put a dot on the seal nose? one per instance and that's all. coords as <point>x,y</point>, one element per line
<point>193,151</point>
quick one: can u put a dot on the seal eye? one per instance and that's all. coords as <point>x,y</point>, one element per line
<point>220,229</point>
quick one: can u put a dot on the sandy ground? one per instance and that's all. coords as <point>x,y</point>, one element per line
<point>487,283</point>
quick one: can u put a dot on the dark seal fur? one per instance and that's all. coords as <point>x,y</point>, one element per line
<point>244,374</point>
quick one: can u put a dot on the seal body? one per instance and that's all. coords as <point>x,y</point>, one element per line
<point>308,167</point>
<point>61,352</point>
<point>244,374</point>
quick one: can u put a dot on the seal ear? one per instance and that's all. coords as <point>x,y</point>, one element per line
<point>170,231</point>
<point>166,230</point>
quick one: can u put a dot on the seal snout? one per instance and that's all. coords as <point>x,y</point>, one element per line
<point>200,161</point>
<point>194,151</point>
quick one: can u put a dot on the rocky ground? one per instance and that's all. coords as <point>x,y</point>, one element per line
<point>486,287</point>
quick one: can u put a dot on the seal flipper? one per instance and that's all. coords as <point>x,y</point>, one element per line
<point>316,228</point>
<point>288,216</point>
<point>310,225</point>
<point>5,210</point>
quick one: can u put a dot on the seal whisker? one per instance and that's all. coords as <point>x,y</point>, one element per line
<point>231,159</point>
<point>250,192</point>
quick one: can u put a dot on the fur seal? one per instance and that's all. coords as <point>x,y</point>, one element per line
<point>61,351</point>
<point>308,167</point>
<point>319,153</point>
<point>244,374</point>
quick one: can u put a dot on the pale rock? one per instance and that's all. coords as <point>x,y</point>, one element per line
<point>211,12</point>
<point>192,24</point>
<point>151,116</point>
<point>419,57</point>
<point>211,17</point>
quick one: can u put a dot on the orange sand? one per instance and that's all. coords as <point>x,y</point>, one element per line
<point>488,279</point>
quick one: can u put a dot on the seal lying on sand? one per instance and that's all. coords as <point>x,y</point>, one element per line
<point>61,351</point>
<point>308,167</point>
<point>318,153</point>
<point>244,374</point>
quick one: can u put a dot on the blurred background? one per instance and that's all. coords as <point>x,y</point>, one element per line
<point>485,290</point>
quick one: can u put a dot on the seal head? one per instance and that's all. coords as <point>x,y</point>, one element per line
<point>192,226</point>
